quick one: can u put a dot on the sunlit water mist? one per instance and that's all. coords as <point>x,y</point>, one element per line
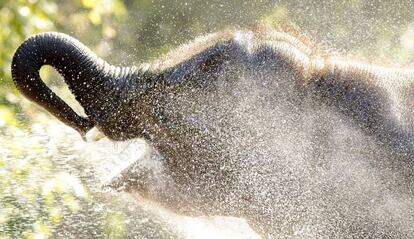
<point>108,159</point>
<point>308,171</point>
<point>293,165</point>
<point>96,163</point>
<point>327,179</point>
<point>323,177</point>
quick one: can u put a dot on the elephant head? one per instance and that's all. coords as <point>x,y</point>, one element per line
<point>122,101</point>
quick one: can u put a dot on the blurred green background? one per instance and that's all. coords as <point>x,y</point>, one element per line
<point>38,195</point>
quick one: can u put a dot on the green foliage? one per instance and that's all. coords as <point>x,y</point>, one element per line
<point>34,194</point>
<point>19,19</point>
<point>116,227</point>
<point>38,189</point>
<point>22,18</point>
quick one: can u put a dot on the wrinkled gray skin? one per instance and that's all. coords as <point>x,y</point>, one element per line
<point>250,124</point>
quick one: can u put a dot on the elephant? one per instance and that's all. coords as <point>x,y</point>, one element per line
<point>253,123</point>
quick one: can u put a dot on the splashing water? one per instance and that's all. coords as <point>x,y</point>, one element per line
<point>318,177</point>
<point>318,172</point>
<point>108,159</point>
<point>327,179</point>
<point>127,215</point>
<point>321,175</point>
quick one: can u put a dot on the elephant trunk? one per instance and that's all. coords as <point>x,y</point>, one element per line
<point>89,78</point>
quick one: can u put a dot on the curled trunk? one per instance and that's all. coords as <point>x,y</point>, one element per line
<point>89,78</point>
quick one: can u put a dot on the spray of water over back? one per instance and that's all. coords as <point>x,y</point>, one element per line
<point>256,125</point>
